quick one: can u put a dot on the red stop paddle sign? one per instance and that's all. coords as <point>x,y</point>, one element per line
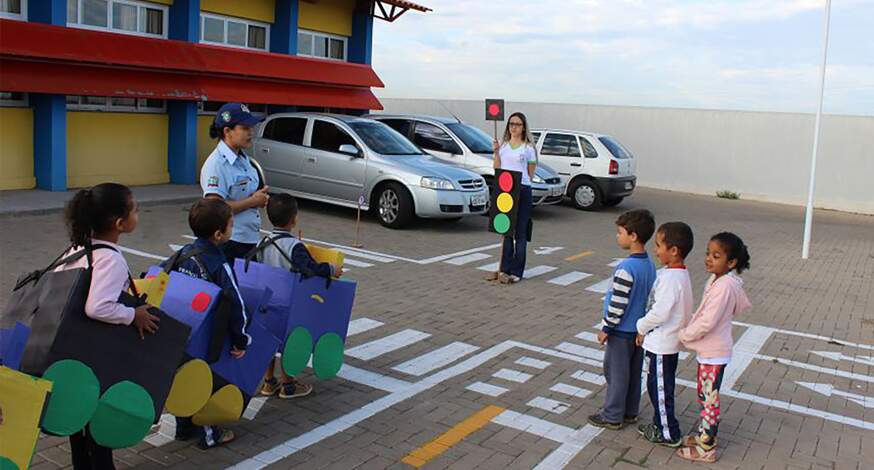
<point>494,110</point>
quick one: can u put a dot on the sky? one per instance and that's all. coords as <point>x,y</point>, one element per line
<point>761,55</point>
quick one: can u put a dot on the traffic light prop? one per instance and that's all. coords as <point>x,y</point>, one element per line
<point>505,202</point>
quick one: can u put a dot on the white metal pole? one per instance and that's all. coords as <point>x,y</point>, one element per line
<point>808,218</point>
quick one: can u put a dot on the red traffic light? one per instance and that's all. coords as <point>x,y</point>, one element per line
<point>494,110</point>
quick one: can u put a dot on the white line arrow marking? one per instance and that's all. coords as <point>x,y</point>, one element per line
<point>836,356</point>
<point>829,390</point>
<point>545,250</point>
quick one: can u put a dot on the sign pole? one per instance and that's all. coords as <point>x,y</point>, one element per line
<point>495,113</point>
<point>357,243</point>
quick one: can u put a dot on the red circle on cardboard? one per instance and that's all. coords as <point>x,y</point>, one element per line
<point>494,109</point>
<point>200,302</point>
<point>505,182</point>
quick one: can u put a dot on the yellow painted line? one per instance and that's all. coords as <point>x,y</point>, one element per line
<point>443,442</point>
<point>579,255</point>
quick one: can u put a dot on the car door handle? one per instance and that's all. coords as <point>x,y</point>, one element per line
<point>265,149</point>
<point>311,159</point>
<point>576,164</point>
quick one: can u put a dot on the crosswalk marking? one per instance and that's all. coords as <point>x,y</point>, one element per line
<point>387,344</point>
<point>166,431</point>
<point>615,262</point>
<point>487,389</point>
<point>531,362</point>
<point>570,390</point>
<point>356,263</point>
<point>489,267</point>
<point>462,260</point>
<point>567,279</point>
<point>583,351</point>
<point>436,359</point>
<point>360,325</point>
<point>601,287</point>
<point>588,335</point>
<point>371,379</point>
<point>254,407</point>
<point>537,271</point>
<point>548,404</point>
<point>589,377</point>
<point>512,375</point>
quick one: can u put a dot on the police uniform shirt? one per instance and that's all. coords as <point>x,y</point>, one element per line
<point>234,178</point>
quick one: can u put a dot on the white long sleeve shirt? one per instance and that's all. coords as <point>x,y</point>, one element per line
<point>670,309</point>
<point>109,278</point>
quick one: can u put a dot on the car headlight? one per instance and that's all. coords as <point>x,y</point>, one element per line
<point>537,179</point>
<point>434,182</point>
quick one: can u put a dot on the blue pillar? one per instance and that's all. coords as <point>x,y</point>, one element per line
<point>49,112</point>
<point>283,32</point>
<point>185,21</point>
<point>182,136</point>
<point>361,42</point>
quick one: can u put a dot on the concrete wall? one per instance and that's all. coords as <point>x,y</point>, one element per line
<point>762,156</point>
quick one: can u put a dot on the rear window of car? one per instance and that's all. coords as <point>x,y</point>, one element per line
<point>615,147</point>
<point>287,130</point>
<point>400,125</point>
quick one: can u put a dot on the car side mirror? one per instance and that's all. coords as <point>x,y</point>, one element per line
<point>350,149</point>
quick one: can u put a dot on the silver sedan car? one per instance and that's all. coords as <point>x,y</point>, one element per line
<point>351,161</point>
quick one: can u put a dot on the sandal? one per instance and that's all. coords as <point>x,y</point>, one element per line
<point>697,454</point>
<point>220,438</point>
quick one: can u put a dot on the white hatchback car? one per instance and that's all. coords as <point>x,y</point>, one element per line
<point>597,169</point>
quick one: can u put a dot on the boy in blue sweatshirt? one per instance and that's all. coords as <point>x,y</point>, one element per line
<point>625,303</point>
<point>212,222</point>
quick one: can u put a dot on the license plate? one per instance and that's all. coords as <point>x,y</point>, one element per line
<point>628,185</point>
<point>478,200</point>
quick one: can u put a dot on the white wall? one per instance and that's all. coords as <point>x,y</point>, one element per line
<point>762,156</point>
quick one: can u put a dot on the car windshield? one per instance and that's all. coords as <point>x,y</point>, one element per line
<point>614,147</point>
<point>475,139</point>
<point>383,139</point>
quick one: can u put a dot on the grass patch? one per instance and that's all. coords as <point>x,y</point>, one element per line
<point>727,194</point>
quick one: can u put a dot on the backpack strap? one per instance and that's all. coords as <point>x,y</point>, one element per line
<point>263,244</point>
<point>193,254</point>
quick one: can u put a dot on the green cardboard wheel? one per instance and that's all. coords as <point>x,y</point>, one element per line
<point>6,464</point>
<point>124,415</point>
<point>297,351</point>
<point>328,357</point>
<point>73,398</point>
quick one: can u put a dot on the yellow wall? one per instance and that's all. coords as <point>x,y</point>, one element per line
<point>16,153</point>
<point>258,10</point>
<point>205,144</point>
<point>128,148</point>
<point>327,16</point>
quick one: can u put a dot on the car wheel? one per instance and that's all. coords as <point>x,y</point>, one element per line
<point>394,206</point>
<point>613,202</point>
<point>585,195</point>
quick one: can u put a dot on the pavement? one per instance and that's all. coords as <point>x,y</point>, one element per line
<point>445,370</point>
<point>37,201</point>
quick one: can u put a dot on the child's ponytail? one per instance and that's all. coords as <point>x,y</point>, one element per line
<point>735,249</point>
<point>95,210</point>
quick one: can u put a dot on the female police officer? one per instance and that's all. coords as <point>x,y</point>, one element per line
<point>229,174</point>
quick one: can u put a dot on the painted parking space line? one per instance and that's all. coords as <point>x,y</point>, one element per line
<point>589,377</point>
<point>387,344</point>
<point>489,267</point>
<point>531,362</point>
<point>487,389</point>
<point>356,263</point>
<point>601,287</point>
<point>548,404</point>
<point>454,435</point>
<point>512,375</point>
<point>582,351</point>
<point>567,279</point>
<point>436,359</point>
<point>537,271</point>
<point>360,325</point>
<point>462,260</point>
<point>570,390</point>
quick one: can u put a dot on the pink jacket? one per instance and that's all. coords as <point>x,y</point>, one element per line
<point>709,331</point>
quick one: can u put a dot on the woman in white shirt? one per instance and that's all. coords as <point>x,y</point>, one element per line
<point>516,152</point>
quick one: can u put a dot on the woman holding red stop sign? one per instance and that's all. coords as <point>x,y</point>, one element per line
<point>516,152</point>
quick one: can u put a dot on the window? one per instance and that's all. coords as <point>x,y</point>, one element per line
<point>329,137</point>
<point>383,139</point>
<point>615,148</point>
<point>115,104</point>
<point>13,99</point>
<point>431,137</point>
<point>121,16</point>
<point>400,125</point>
<point>212,107</point>
<point>233,32</point>
<point>13,9</point>
<point>535,136</point>
<point>286,130</point>
<point>321,45</point>
<point>561,145</point>
<point>475,139</point>
<point>588,149</point>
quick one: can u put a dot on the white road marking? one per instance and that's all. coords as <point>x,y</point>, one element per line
<point>142,253</point>
<point>436,359</point>
<point>589,377</point>
<point>462,260</point>
<point>559,458</point>
<point>836,356</point>
<point>615,262</point>
<point>174,247</point>
<point>570,390</point>
<point>601,287</point>
<point>829,390</point>
<point>356,263</point>
<point>583,351</point>
<point>548,404</point>
<point>813,336</point>
<point>546,250</point>
<point>567,279</point>
<point>489,267</point>
<point>487,389</point>
<point>371,379</point>
<point>360,325</point>
<point>588,335</point>
<point>823,370</point>
<point>166,431</point>
<point>572,440</point>
<point>537,271</point>
<point>254,407</point>
<point>436,259</point>
<point>386,344</point>
<point>512,375</point>
<point>743,352</point>
<point>531,362</point>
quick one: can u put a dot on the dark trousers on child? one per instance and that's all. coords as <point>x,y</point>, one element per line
<point>514,249</point>
<point>623,364</point>
<point>660,381</point>
<point>87,454</point>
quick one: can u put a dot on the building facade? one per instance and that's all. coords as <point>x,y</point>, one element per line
<point>125,90</point>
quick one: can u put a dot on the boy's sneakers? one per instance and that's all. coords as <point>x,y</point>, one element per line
<point>629,420</point>
<point>598,421</point>
<point>651,433</point>
<point>270,387</point>
<point>294,389</point>
<point>214,437</point>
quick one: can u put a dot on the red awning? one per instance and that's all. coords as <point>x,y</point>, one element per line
<point>51,59</point>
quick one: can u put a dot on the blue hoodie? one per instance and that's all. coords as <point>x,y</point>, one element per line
<point>627,298</point>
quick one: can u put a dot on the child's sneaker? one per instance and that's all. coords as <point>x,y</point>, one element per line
<point>597,421</point>
<point>629,420</point>
<point>651,433</point>
<point>270,387</point>
<point>294,389</point>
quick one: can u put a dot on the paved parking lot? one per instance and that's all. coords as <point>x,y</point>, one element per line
<point>446,370</point>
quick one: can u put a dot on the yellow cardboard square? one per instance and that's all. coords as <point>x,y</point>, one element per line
<point>154,288</point>
<point>22,400</point>
<point>326,255</point>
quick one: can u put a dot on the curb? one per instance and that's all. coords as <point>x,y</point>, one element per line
<point>12,214</point>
